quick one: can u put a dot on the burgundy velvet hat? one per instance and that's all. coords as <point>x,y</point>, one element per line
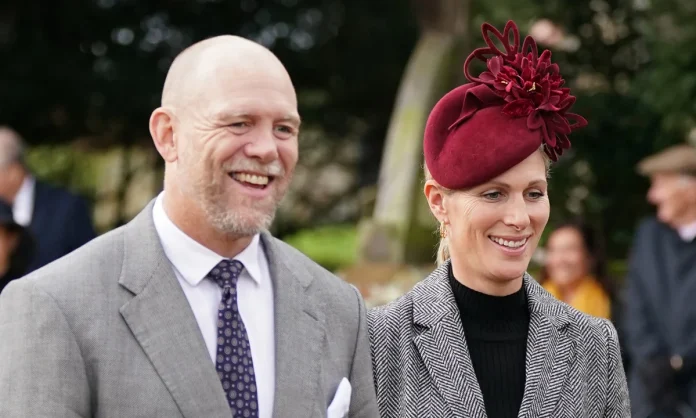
<point>484,128</point>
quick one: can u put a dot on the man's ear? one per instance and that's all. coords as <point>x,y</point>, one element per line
<point>162,123</point>
<point>436,200</point>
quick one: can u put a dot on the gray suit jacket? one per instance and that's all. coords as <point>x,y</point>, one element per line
<point>108,332</point>
<point>422,367</point>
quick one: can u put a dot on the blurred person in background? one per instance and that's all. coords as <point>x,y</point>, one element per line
<point>479,336</point>
<point>660,312</point>
<point>16,247</point>
<point>575,269</point>
<point>58,220</point>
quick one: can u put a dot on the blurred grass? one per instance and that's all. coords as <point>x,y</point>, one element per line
<point>331,246</point>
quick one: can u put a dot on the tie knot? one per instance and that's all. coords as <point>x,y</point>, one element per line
<point>226,273</point>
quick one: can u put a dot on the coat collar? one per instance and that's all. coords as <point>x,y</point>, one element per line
<point>441,342</point>
<point>433,300</point>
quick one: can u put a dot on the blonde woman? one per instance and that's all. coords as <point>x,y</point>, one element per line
<point>479,337</point>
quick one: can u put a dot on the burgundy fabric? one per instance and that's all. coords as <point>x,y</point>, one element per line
<point>484,128</point>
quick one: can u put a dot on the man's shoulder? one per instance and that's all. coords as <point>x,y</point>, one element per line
<point>97,263</point>
<point>59,195</point>
<point>296,257</point>
<point>650,226</point>
<point>54,190</point>
<point>342,299</point>
<point>391,325</point>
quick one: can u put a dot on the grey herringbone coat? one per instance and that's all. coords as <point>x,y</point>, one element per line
<point>422,367</point>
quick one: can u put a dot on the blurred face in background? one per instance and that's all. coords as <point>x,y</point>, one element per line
<point>674,195</point>
<point>12,172</point>
<point>11,178</point>
<point>567,258</point>
<point>8,243</point>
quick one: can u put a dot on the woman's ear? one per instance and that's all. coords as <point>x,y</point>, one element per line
<point>436,197</point>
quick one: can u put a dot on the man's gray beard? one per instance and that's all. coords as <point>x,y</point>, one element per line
<point>235,223</point>
<point>243,222</point>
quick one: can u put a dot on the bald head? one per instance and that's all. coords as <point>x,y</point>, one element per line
<point>195,69</point>
<point>228,132</point>
<point>11,146</point>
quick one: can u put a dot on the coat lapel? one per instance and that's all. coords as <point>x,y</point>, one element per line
<point>163,323</point>
<point>442,345</point>
<point>299,331</point>
<point>549,352</point>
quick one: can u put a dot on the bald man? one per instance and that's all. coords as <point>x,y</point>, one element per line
<point>193,309</point>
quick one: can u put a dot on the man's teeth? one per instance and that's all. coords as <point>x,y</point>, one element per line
<point>510,244</point>
<point>251,178</point>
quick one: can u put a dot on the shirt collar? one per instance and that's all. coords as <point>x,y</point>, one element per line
<point>23,205</point>
<point>193,260</point>
<point>687,232</point>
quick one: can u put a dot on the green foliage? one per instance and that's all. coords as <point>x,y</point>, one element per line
<point>63,164</point>
<point>332,246</point>
<point>668,82</point>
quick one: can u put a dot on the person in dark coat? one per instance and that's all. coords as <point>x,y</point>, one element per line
<point>58,219</point>
<point>660,313</point>
<point>16,247</point>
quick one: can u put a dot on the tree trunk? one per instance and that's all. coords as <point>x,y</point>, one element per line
<point>402,228</point>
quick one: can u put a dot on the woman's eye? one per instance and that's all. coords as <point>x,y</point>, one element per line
<point>492,195</point>
<point>536,195</point>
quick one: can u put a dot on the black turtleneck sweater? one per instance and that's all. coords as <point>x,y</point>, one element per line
<point>496,335</point>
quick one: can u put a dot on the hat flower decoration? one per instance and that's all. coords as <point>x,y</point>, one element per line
<point>530,84</point>
<point>516,105</point>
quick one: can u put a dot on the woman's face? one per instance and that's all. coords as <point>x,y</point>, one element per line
<point>8,242</point>
<point>567,258</point>
<point>494,228</point>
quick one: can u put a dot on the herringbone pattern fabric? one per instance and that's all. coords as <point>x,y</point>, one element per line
<point>422,367</point>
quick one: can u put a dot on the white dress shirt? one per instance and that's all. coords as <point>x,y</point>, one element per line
<point>687,232</point>
<point>23,207</point>
<point>192,262</point>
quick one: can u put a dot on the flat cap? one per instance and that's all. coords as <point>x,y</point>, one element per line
<point>675,159</point>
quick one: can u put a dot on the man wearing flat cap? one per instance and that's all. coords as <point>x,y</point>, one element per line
<point>660,317</point>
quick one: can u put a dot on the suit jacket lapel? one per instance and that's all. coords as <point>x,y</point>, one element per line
<point>549,352</point>
<point>442,345</point>
<point>299,332</point>
<point>163,323</point>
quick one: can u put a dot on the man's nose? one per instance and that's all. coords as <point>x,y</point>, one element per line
<point>263,147</point>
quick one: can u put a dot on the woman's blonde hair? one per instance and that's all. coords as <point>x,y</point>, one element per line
<point>443,252</point>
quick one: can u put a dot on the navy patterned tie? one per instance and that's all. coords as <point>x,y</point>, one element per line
<point>233,363</point>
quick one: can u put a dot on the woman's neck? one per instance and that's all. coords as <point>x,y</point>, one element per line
<point>487,285</point>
